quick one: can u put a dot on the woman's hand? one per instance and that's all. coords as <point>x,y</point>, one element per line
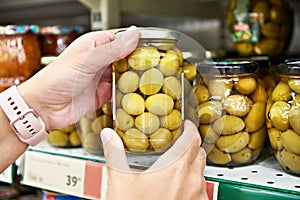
<point>176,175</point>
<point>79,80</point>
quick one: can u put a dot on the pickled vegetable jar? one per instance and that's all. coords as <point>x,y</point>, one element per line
<point>148,92</point>
<point>20,54</point>
<point>260,27</point>
<point>64,137</point>
<point>283,117</point>
<point>231,111</point>
<point>89,128</point>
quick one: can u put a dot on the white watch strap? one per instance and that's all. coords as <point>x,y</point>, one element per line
<point>28,126</point>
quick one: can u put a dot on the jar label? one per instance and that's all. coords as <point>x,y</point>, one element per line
<point>245,26</point>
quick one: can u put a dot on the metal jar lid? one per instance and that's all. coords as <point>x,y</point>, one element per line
<point>156,33</point>
<point>289,67</point>
<point>227,67</point>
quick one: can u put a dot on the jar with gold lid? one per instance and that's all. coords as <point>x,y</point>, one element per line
<point>283,117</point>
<point>20,54</point>
<point>231,112</point>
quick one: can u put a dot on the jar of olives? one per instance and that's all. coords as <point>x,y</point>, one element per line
<point>66,137</point>
<point>231,111</point>
<point>20,54</point>
<point>260,27</point>
<point>283,117</point>
<point>89,128</point>
<point>148,92</point>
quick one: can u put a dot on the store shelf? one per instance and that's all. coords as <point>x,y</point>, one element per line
<point>7,175</point>
<point>76,172</point>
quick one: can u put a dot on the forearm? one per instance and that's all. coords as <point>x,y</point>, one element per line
<point>10,146</point>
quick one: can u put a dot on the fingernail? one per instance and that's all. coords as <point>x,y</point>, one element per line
<point>106,136</point>
<point>127,35</point>
<point>201,154</point>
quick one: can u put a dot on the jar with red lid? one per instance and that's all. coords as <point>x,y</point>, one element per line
<point>55,39</point>
<point>20,54</point>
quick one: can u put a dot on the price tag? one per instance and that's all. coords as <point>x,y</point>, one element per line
<point>6,175</point>
<point>57,173</point>
<point>212,189</point>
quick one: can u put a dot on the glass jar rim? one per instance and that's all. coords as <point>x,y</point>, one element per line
<point>227,67</point>
<point>19,29</point>
<point>155,33</point>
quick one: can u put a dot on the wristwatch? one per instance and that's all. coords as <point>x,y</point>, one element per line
<point>26,124</point>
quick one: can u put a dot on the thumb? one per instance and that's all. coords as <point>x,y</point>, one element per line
<point>114,151</point>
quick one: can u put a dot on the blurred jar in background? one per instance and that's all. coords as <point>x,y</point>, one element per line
<point>283,116</point>
<point>55,39</point>
<point>260,27</point>
<point>20,54</point>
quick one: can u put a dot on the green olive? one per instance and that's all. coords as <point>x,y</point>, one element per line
<point>294,117</point>
<point>217,156</point>
<point>151,81</point>
<point>147,122</point>
<point>228,125</point>
<point>169,64</point>
<point>128,82</point>
<point>233,143</point>
<point>209,111</point>
<point>161,139</point>
<point>275,139</point>
<point>201,93</point>
<point>282,92</point>
<point>290,161</point>
<point>237,104</point>
<point>121,65</point>
<point>144,58</point>
<point>133,103</point>
<point>278,114</point>
<point>294,84</point>
<point>291,140</point>
<point>171,121</point>
<point>243,156</point>
<point>220,88</point>
<point>135,140</point>
<point>124,121</point>
<point>208,135</point>
<point>257,139</point>
<point>245,85</point>
<point>172,87</point>
<point>159,104</point>
<point>256,117</point>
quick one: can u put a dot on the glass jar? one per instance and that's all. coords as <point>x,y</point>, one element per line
<point>260,27</point>
<point>20,54</point>
<point>231,112</point>
<point>148,92</point>
<point>66,137</point>
<point>283,117</point>
<point>89,128</point>
<point>55,39</point>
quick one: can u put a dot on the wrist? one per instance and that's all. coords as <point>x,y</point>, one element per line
<point>31,97</point>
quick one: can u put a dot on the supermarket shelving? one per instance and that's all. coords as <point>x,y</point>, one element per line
<point>263,180</point>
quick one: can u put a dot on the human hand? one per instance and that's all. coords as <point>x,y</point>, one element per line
<point>79,80</point>
<point>177,174</point>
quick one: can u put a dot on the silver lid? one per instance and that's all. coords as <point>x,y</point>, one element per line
<point>155,33</point>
